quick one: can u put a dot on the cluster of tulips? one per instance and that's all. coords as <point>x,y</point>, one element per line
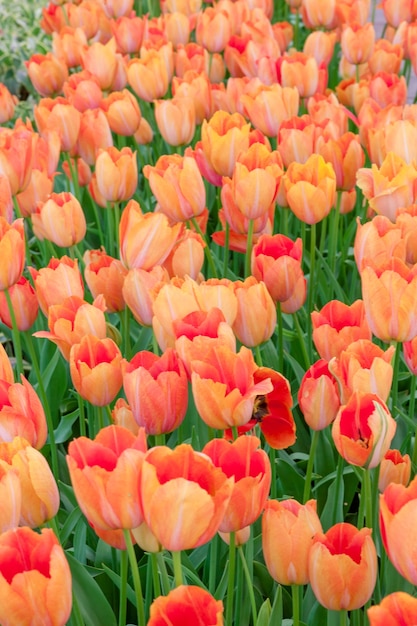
<point>208,303</point>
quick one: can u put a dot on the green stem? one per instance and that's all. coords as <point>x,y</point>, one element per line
<point>16,336</point>
<point>45,403</point>
<point>164,574</point>
<point>310,465</point>
<point>272,459</point>
<point>176,560</point>
<point>296,604</point>
<point>366,494</point>
<point>110,229</point>
<point>396,368</point>
<point>213,564</point>
<point>81,410</point>
<point>226,249</point>
<point>334,229</point>
<point>411,412</point>
<point>76,616</point>
<point>231,580</point>
<point>73,176</point>
<point>249,243</point>
<point>19,215</point>
<point>125,325</point>
<point>155,575</point>
<point>116,216</point>
<point>258,356</point>
<point>339,487</point>
<point>123,587</point>
<point>343,618</point>
<point>207,250</point>
<point>311,290</point>
<point>249,584</point>
<point>280,347</point>
<point>301,340</point>
<point>136,577</point>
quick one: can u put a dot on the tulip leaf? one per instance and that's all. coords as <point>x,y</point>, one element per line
<point>91,601</point>
<point>64,430</point>
<point>115,578</point>
<point>292,482</point>
<point>264,614</point>
<point>275,618</point>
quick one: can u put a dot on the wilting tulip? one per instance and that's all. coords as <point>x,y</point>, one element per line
<point>40,495</point>
<point>105,474</point>
<point>47,73</point>
<point>337,325</point>
<point>363,430</point>
<point>256,312</point>
<point>178,186</point>
<point>311,189</point>
<point>343,567</point>
<point>60,279</point>
<point>251,469</point>
<point>363,366</point>
<point>95,368</point>
<point>186,605</point>
<point>24,304</point>
<point>318,396</point>
<point>396,608</point>
<point>146,239</point>
<point>60,219</point>
<point>287,561</point>
<point>117,173</point>
<point>39,561</point>
<point>390,299</point>
<point>21,413</point>
<point>105,275</point>
<point>397,510</point>
<point>183,495</point>
<point>157,390</point>
<point>394,468</point>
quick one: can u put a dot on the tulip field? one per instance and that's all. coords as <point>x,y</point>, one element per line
<point>208,313</point>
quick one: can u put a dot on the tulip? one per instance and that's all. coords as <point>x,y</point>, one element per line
<point>117,173</point>
<point>60,219</point>
<point>7,104</point>
<point>61,116</point>
<point>186,605</point>
<point>256,313</point>
<point>318,396</point>
<point>410,355</point>
<point>12,252</point>
<point>388,89</point>
<point>213,29</point>
<point>60,279</point>
<point>378,241</point>
<point>83,92</point>
<point>395,468</point>
<point>24,304</point>
<point>40,495</point>
<point>396,608</point>
<point>11,497</point>
<point>386,56</point>
<point>16,157</point>
<point>95,135</point>
<point>267,106</point>
<point>343,567</point>
<point>178,186</point>
<point>87,16</point>
<point>122,112</point>
<point>6,369</point>
<point>364,367</point>
<point>346,156</point>
<point>390,299</point>
<point>186,258</point>
<point>363,430</point>
<point>223,137</point>
<point>357,42</point>
<point>300,71</point>
<point>95,368</point>
<point>21,413</point>
<point>176,119</point>
<point>145,239</point>
<point>105,275</point>
<point>140,289</point>
<point>316,15</point>
<point>67,44</point>
<point>128,33</point>
<point>100,60</point>
<point>311,189</point>
<point>397,509</point>
<point>47,73</point>
<point>71,320</point>
<point>184,496</point>
<point>157,390</point>
<point>148,77</point>
<point>38,191</point>
<point>122,416</point>
<point>287,561</point>
<point>35,579</point>
<point>337,325</point>
<point>251,470</point>
<point>320,45</point>
<point>105,474</point>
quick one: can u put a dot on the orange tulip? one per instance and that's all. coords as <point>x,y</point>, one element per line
<point>357,42</point>
<point>11,497</point>
<point>95,368</point>
<point>390,300</point>
<point>222,399</point>
<point>395,468</point>
<point>365,367</point>
<point>287,561</point>
<point>7,104</point>
<point>60,219</point>
<point>6,369</point>
<point>196,87</point>
<point>32,567</point>
<point>251,469</point>
<point>377,241</point>
<point>397,510</point>
<point>386,56</point>
<point>256,312</point>
<point>223,137</point>
<point>176,120</point>
<point>146,239</point>
<point>186,605</point>
<point>267,106</point>
<point>388,89</point>
<point>40,495</point>
<point>117,8</point>
<point>100,59</point>
<point>105,275</point>
<point>186,258</point>
<point>59,115</point>
<point>178,186</point>
<point>144,133</point>
<point>300,71</point>
<point>337,325</point>
<point>82,90</point>
<point>213,29</point>
<point>12,252</point>
<point>363,430</point>
<point>47,73</point>
<point>72,319</point>
<point>157,390</point>
<point>318,396</point>
<point>184,496</point>
<point>318,14</point>
<point>140,289</point>
<point>105,474</point>
<point>67,44</point>
<point>16,157</point>
<point>94,135</point>
<point>122,111</point>
<point>24,304</point>
<point>396,608</point>
<point>276,260</point>
<point>410,354</point>
<point>320,45</point>
<point>21,413</point>
<point>6,200</point>
<point>86,15</point>
<point>343,567</point>
<point>39,189</point>
<point>60,279</point>
<point>311,189</point>
<point>346,156</point>
<point>148,77</point>
<point>117,173</point>
<point>128,33</point>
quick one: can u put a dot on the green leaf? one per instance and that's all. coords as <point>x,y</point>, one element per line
<point>276,612</point>
<point>291,480</point>
<point>64,430</point>
<point>264,614</point>
<point>92,603</point>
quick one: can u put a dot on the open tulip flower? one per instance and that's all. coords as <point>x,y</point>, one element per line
<point>187,605</point>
